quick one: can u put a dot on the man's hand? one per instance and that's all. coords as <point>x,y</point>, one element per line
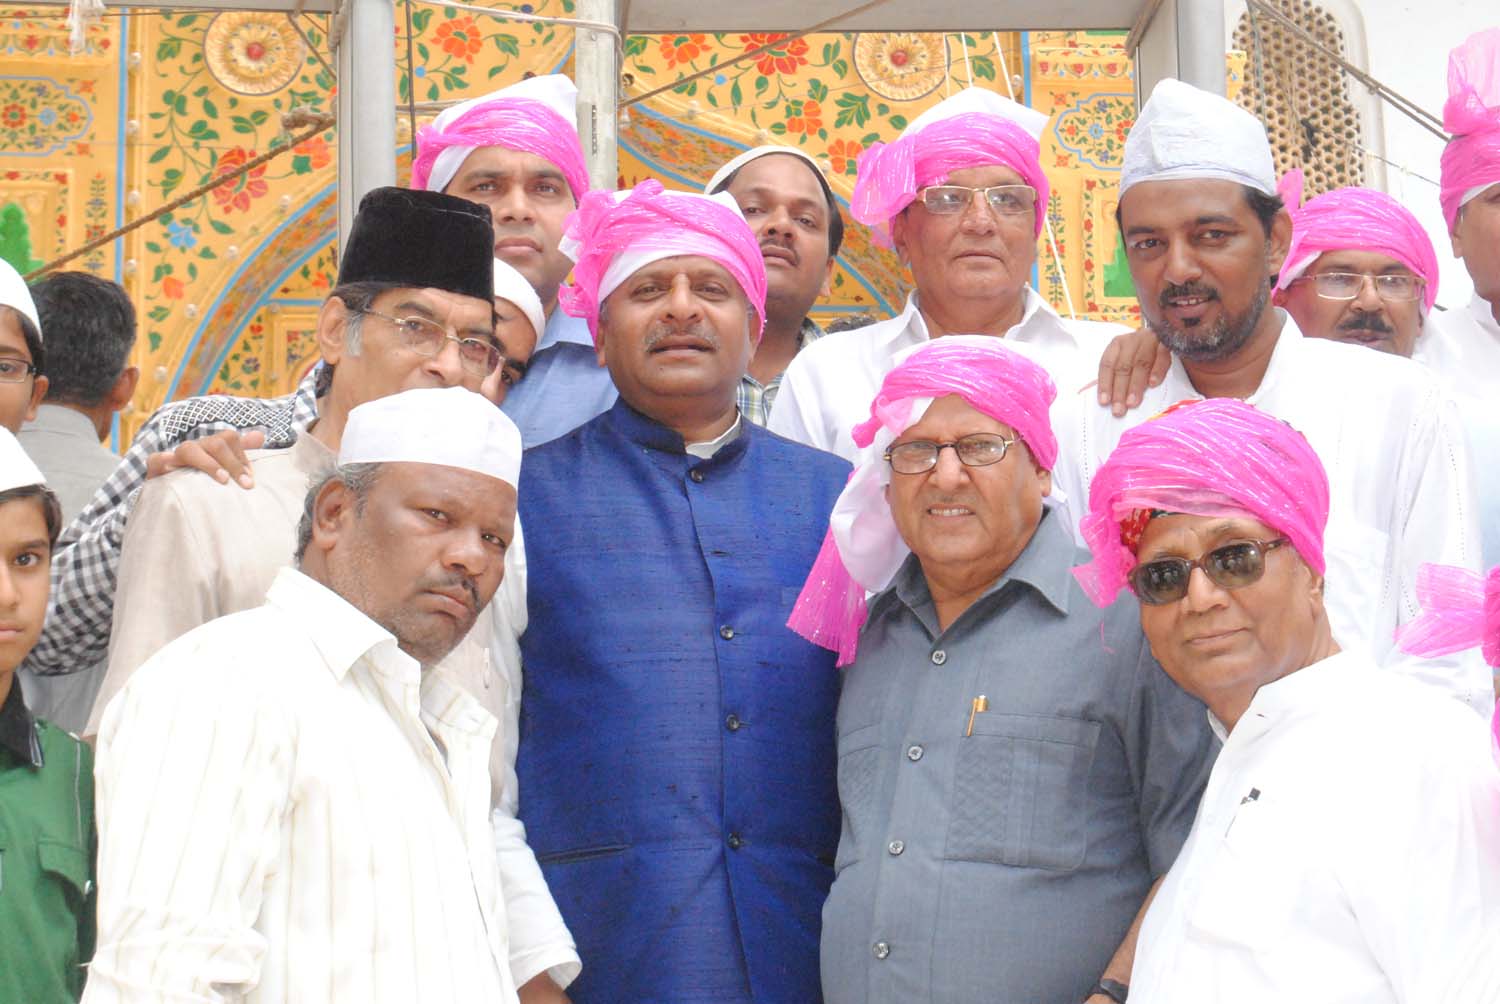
<point>541,990</point>
<point>221,456</point>
<point>1130,364</point>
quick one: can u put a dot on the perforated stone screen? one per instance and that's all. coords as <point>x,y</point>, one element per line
<point>1302,95</point>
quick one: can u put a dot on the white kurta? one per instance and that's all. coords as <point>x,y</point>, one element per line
<point>1401,491</point>
<point>1463,348</point>
<point>290,809</point>
<point>1346,851</point>
<point>195,550</point>
<point>828,388</point>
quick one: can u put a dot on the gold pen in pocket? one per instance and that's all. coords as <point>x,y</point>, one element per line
<point>977,706</point>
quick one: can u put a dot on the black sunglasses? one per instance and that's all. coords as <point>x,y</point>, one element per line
<point>1236,564</point>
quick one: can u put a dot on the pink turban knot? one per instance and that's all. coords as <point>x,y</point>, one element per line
<point>863,549</point>
<point>515,124</point>
<point>891,174</point>
<point>1219,457</point>
<point>1356,219</point>
<point>1471,159</point>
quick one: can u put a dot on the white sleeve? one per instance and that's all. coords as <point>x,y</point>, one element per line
<point>797,413</point>
<point>539,939</point>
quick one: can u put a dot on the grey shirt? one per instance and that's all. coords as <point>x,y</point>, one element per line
<point>1005,866</point>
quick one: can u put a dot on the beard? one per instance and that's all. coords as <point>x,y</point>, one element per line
<point>1223,338</point>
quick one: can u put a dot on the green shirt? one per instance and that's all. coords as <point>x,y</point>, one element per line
<point>47,847</point>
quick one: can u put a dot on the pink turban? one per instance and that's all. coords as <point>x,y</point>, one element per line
<point>535,116</point>
<point>863,549</point>
<point>612,235</point>
<point>1219,457</point>
<point>1460,609</point>
<point>1355,219</point>
<point>1471,160</point>
<point>974,128</point>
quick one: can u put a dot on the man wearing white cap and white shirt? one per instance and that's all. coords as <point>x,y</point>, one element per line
<point>195,549</point>
<point>293,799</point>
<point>962,197</point>
<point>517,152</point>
<point>22,385</point>
<point>1205,236</point>
<point>790,206</point>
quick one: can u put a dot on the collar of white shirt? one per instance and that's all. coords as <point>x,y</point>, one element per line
<point>1299,693</point>
<point>1179,386</point>
<point>1036,314</point>
<point>340,631</point>
<point>1484,315</point>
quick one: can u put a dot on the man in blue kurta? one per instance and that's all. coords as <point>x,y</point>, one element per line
<point>676,763</point>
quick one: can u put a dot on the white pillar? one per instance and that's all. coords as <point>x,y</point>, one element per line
<point>598,77</point>
<point>1183,39</point>
<point>366,105</point>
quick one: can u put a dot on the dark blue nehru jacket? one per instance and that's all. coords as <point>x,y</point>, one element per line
<point>676,761</point>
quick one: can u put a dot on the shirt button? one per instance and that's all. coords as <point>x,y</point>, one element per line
<point>735,842</point>
<point>733,723</point>
<point>896,847</point>
<point>914,753</point>
<point>882,949</point>
<point>939,657</point>
<point>696,475</point>
<point>726,632</point>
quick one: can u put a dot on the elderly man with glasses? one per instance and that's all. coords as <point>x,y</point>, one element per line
<point>1015,771</point>
<point>1347,849</point>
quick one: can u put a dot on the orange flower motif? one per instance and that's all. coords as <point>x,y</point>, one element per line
<point>460,38</point>
<point>779,58</point>
<point>238,192</point>
<point>804,117</point>
<point>679,50</point>
<point>13,116</point>
<point>843,155</point>
<point>172,288</point>
<point>316,151</point>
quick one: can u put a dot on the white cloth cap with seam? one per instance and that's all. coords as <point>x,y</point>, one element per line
<point>17,470</point>
<point>555,90</point>
<point>13,293</point>
<point>1186,133</point>
<point>756,153</point>
<point>978,101</point>
<point>447,426</point>
<point>512,287</point>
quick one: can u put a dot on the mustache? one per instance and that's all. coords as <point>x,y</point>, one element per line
<point>1374,323</point>
<point>1174,292</point>
<point>772,242</point>
<point>451,580</point>
<point>660,333</point>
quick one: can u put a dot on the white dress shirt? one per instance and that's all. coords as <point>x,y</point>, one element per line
<point>1401,490</point>
<point>1346,851</point>
<point>1463,348</point>
<point>829,386</point>
<point>292,809</point>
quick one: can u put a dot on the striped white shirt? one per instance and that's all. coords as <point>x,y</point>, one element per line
<point>290,809</point>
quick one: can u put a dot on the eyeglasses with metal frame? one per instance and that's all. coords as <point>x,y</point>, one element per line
<point>426,337</point>
<point>1392,287</point>
<point>1005,200</point>
<point>1234,565</point>
<point>919,456</point>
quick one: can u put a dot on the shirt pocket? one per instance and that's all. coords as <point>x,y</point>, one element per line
<point>859,791</point>
<point>1245,896</point>
<point>1020,791</point>
<point>1356,556</point>
<point>67,865</point>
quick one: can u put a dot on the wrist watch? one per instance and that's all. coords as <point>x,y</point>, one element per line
<point>1113,989</point>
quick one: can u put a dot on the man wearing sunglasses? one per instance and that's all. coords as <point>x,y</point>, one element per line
<point>1206,236</point>
<point>1014,769</point>
<point>1347,849</point>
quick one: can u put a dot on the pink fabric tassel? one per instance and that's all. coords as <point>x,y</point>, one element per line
<point>830,610</point>
<point>1460,610</point>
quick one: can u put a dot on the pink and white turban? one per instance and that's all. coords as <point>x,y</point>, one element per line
<point>1471,160</point>
<point>1460,609</point>
<point>1218,457</point>
<point>863,549</point>
<point>613,235</point>
<point>973,128</point>
<point>537,116</point>
<point>1355,219</point>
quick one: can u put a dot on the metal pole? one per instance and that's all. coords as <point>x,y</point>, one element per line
<point>597,74</point>
<point>1200,44</point>
<point>366,105</point>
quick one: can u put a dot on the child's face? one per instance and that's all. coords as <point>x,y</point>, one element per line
<point>25,565</point>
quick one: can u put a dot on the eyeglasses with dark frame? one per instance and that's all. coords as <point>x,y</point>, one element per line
<point>919,456</point>
<point>426,337</point>
<point>14,370</point>
<point>1234,565</point>
<point>1393,287</point>
<point>1005,200</point>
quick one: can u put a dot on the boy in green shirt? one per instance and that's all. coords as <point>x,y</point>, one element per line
<point>47,839</point>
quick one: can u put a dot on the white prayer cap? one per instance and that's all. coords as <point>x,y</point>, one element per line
<point>512,287</point>
<point>17,470</point>
<point>13,293</point>
<point>554,90</point>
<point>1186,133</point>
<point>978,101</point>
<point>449,427</point>
<point>722,175</point>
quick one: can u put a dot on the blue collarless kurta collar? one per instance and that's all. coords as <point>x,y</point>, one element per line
<point>652,435</point>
